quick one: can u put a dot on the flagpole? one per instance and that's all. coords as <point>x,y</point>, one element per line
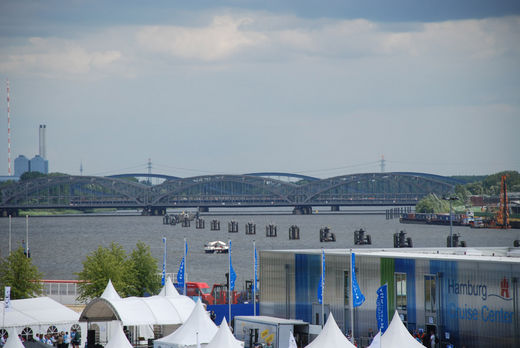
<point>254,278</point>
<point>351,300</point>
<point>27,235</point>
<point>184,269</point>
<point>9,234</point>
<point>322,288</point>
<point>229,282</point>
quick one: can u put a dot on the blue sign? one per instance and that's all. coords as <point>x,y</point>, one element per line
<point>357,297</point>
<point>382,308</point>
<point>256,271</point>
<point>164,263</point>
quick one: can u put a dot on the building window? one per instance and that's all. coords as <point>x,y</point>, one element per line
<point>400,291</point>
<point>429,293</point>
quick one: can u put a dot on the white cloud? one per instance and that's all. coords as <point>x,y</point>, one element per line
<point>224,37</point>
<point>56,57</point>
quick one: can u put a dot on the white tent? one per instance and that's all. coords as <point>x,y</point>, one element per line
<point>397,335</point>
<point>118,339</point>
<point>168,289</point>
<point>330,336</point>
<point>224,338</point>
<point>38,314</point>
<point>376,341</point>
<point>13,341</point>
<point>135,311</point>
<point>110,293</point>
<point>198,324</point>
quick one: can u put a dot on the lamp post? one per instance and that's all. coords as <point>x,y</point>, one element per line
<point>450,199</point>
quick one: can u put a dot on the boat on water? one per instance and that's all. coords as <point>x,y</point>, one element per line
<point>216,247</point>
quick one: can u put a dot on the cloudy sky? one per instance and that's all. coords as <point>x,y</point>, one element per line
<point>321,88</point>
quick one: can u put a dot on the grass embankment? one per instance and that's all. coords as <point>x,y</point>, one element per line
<point>51,212</point>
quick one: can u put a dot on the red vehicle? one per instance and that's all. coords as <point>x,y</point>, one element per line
<point>198,289</point>
<point>220,294</point>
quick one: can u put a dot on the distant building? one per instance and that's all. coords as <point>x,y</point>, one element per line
<point>39,164</point>
<point>21,165</point>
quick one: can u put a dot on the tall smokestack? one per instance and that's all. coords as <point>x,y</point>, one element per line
<point>42,141</point>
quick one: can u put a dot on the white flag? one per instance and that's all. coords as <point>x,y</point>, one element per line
<point>7,298</point>
<point>292,342</point>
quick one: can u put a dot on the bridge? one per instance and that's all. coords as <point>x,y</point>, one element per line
<point>212,191</point>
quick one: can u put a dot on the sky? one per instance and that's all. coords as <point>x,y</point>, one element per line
<point>321,88</point>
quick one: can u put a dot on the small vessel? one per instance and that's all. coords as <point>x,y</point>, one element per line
<point>216,247</point>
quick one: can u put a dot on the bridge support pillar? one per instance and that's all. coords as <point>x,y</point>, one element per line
<point>203,209</point>
<point>302,210</point>
<point>334,208</point>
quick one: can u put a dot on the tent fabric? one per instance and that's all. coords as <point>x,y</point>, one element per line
<point>118,339</point>
<point>168,288</point>
<point>199,325</point>
<point>13,341</point>
<point>167,309</point>
<point>38,311</point>
<point>330,336</point>
<point>397,335</point>
<point>110,293</point>
<point>376,341</point>
<point>224,338</point>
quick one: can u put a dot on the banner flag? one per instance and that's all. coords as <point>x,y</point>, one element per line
<point>163,279</point>
<point>322,279</point>
<point>180,275</point>
<point>232,274</point>
<point>382,308</point>
<point>357,296</point>
<point>256,271</point>
<point>181,272</point>
<point>7,299</point>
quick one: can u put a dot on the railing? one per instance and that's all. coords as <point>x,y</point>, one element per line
<point>63,291</point>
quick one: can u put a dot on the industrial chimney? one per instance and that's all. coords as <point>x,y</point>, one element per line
<point>42,141</point>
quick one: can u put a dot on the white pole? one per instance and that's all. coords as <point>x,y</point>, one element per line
<point>27,235</point>
<point>254,278</point>
<point>322,290</point>
<point>9,234</point>
<point>229,283</point>
<point>185,266</point>
<point>351,301</point>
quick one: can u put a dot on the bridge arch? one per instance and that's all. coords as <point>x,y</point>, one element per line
<point>216,189</point>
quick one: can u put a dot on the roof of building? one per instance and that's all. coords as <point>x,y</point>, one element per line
<point>489,254</point>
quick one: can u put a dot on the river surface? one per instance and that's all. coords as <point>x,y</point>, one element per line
<point>59,245</point>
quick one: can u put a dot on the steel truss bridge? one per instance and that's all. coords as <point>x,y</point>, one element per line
<point>211,191</point>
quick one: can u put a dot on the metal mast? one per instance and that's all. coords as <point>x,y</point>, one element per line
<point>382,163</point>
<point>8,133</point>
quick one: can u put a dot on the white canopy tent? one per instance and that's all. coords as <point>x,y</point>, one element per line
<point>224,338</point>
<point>199,328</point>
<point>168,309</point>
<point>13,341</point>
<point>118,339</point>
<point>397,335</point>
<point>37,315</point>
<point>330,336</point>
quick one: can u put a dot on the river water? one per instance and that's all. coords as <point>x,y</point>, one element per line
<point>59,245</point>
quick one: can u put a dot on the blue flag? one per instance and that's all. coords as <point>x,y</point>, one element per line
<point>322,279</point>
<point>164,262</point>
<point>256,271</point>
<point>180,273</point>
<point>357,296</point>
<point>232,274</point>
<point>382,308</point>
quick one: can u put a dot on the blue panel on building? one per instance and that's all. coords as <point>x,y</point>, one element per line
<point>408,266</point>
<point>307,276</point>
